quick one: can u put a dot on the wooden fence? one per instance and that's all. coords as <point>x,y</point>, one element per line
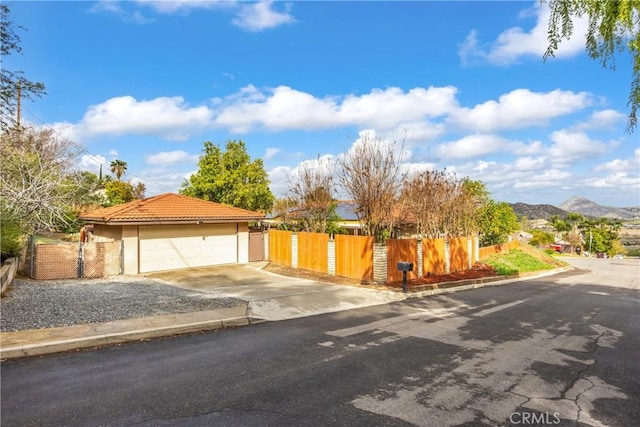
<point>433,253</point>
<point>458,254</point>
<point>312,252</point>
<point>354,257</point>
<point>280,247</point>
<point>497,249</point>
<point>401,250</point>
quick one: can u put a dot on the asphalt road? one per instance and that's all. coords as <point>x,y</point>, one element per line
<point>562,350</point>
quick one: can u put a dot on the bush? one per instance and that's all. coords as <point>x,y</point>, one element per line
<point>10,236</point>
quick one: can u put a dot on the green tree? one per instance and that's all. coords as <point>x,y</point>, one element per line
<point>119,192</point>
<point>13,84</point>
<point>230,177</point>
<point>10,234</point>
<point>496,220</point>
<point>613,28</point>
<point>118,167</point>
<point>541,238</point>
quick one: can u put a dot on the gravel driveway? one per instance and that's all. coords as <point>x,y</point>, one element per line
<point>32,304</point>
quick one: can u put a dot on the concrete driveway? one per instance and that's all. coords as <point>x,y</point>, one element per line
<point>271,296</point>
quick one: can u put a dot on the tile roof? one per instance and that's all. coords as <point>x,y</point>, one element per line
<point>170,207</point>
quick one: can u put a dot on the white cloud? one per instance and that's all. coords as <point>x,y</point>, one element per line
<point>521,108</point>
<point>279,177</point>
<point>601,120</point>
<point>621,181</point>
<point>183,6</point>
<point>261,16</point>
<point>286,108</point>
<point>92,162</point>
<point>170,118</point>
<point>270,152</point>
<point>171,158</point>
<point>471,146</point>
<point>116,8</point>
<point>631,165</point>
<point>516,42</point>
<point>569,147</point>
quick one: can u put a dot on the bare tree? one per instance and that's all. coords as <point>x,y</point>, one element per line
<point>311,187</point>
<point>442,205</point>
<point>36,180</point>
<point>370,174</point>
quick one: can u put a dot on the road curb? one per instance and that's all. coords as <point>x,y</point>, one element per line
<point>62,345</point>
<point>481,283</point>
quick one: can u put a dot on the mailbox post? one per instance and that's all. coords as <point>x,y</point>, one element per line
<point>404,267</point>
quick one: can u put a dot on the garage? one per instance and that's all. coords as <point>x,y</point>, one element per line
<point>171,231</point>
<point>165,247</point>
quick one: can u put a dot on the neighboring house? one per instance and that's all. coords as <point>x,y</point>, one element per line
<point>172,231</point>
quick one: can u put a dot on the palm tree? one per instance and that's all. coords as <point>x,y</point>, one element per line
<point>118,167</point>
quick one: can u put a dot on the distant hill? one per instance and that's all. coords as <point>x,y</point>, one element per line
<point>537,211</point>
<point>588,208</point>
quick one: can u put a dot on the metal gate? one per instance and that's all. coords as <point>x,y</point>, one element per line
<point>256,245</point>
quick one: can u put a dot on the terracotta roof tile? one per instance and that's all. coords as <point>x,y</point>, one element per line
<point>170,207</point>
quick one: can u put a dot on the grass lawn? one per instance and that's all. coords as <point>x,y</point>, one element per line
<point>522,260</point>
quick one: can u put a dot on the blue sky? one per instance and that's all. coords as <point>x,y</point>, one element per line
<point>463,84</point>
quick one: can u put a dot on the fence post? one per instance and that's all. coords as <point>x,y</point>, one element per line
<point>80,260</point>
<point>32,256</point>
<point>476,248</point>
<point>331,257</point>
<point>380,262</point>
<point>294,250</point>
<point>420,259</point>
<point>469,252</point>
<point>265,241</point>
<point>447,255</point>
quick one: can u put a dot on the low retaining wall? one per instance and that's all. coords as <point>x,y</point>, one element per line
<point>8,272</point>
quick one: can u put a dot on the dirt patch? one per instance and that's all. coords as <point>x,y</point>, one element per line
<point>478,271</point>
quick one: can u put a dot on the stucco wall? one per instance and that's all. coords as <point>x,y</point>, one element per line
<point>108,231</point>
<point>130,239</point>
<point>243,242</point>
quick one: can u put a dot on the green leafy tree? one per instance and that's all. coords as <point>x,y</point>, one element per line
<point>230,177</point>
<point>10,234</point>
<point>118,167</point>
<point>496,220</point>
<point>13,84</point>
<point>541,238</point>
<point>119,192</point>
<point>613,28</point>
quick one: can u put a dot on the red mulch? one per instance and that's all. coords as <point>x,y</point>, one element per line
<point>478,271</point>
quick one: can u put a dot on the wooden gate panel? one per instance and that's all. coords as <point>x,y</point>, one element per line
<point>313,251</point>
<point>256,246</point>
<point>433,257</point>
<point>354,257</point>
<point>401,250</point>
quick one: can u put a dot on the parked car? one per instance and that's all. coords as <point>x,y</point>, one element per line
<point>618,256</point>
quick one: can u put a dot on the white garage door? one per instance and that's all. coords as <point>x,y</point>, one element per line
<point>169,247</point>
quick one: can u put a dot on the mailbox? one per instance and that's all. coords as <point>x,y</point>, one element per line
<point>405,266</point>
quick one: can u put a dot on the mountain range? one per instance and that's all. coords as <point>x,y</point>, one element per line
<point>576,204</point>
